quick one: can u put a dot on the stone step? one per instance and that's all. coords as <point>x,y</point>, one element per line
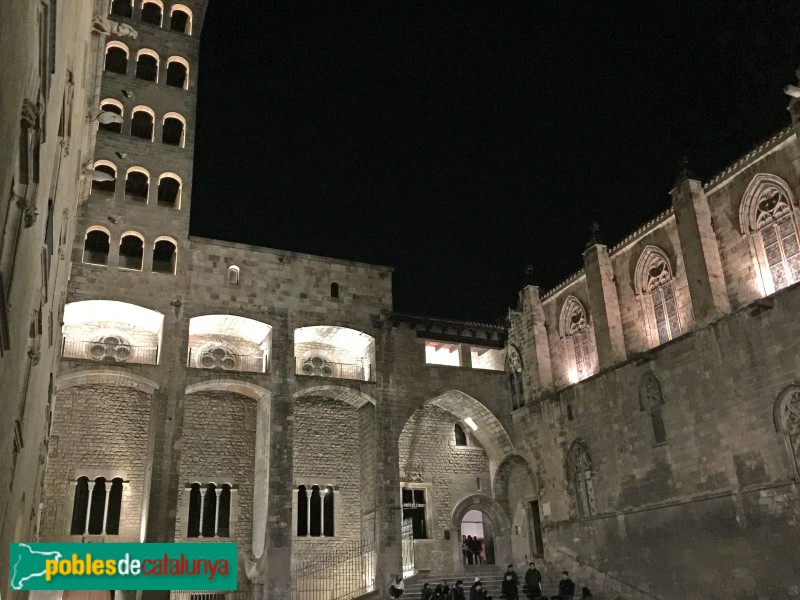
<point>491,577</point>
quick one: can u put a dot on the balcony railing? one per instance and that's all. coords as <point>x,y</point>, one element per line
<point>105,351</point>
<point>319,367</point>
<point>222,360</point>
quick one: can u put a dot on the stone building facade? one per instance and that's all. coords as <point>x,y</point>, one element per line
<point>621,424</point>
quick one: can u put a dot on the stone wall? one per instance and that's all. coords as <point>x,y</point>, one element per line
<point>101,430</point>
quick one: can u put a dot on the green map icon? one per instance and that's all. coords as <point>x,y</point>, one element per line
<point>28,564</point>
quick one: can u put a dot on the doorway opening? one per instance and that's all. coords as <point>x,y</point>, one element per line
<point>477,539</point>
<point>535,533</point>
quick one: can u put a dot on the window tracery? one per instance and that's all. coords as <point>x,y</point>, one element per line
<point>575,330</point>
<point>655,282</point>
<point>579,464</point>
<point>787,417</point>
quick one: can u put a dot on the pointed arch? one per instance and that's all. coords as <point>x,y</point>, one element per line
<point>768,216</point>
<point>574,331</point>
<point>654,281</point>
<point>786,417</point>
<point>580,471</point>
<point>651,399</point>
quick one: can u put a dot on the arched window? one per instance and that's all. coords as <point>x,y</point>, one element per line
<point>96,246</point>
<point>651,400</point>
<point>169,190</point>
<point>152,12</point>
<point>302,511</point>
<point>327,512</point>
<point>514,368</point>
<point>461,437</point>
<point>165,255</point>
<point>122,8</point>
<point>80,506</point>
<point>131,251</point>
<point>315,508</point>
<point>174,129</point>
<point>112,106</point>
<point>195,506</point>
<point>178,72</point>
<point>109,185</point>
<point>224,512</point>
<point>334,290</point>
<point>768,217</point>
<point>142,123</point>
<point>579,467</point>
<point>114,507</point>
<point>654,284</point>
<point>181,19</point>
<point>147,65</point>
<point>209,510</point>
<point>787,421</point>
<point>575,332</point>
<point>117,58</point>
<point>569,412</point>
<point>233,275</point>
<point>137,183</point>
<point>97,508</point>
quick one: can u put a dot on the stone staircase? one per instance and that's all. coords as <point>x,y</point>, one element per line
<point>491,576</point>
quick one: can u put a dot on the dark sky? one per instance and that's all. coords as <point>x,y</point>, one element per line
<point>461,141</point>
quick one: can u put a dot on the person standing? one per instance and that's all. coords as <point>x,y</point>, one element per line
<point>477,548</point>
<point>566,588</point>
<point>533,579</point>
<point>469,549</point>
<point>465,550</point>
<point>510,587</point>
<point>458,591</point>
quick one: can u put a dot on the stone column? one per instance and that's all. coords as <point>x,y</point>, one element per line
<point>604,305</point>
<point>700,251</point>
<point>536,348</point>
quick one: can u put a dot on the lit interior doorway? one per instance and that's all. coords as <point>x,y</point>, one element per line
<point>476,525</point>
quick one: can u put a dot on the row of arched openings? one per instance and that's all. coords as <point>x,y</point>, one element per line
<point>315,511</point>
<point>209,511</point>
<point>137,184</point>
<point>97,246</point>
<point>180,16</point>
<point>148,63</point>
<point>97,506</point>
<point>142,123</point>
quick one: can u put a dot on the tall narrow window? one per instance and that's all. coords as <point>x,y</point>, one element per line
<point>461,437</point>
<point>768,216</point>
<point>334,290</point>
<point>327,512</point>
<point>302,511</point>
<point>233,275</point>
<point>96,247</point>
<point>209,510</point>
<point>579,466</point>
<point>514,369</point>
<point>413,501</point>
<point>164,256</point>
<point>315,506</point>
<point>654,282</point>
<point>114,507</point>
<point>195,507</point>
<point>152,13</point>
<point>575,330</point>
<point>651,400</point>
<point>131,251</point>
<point>80,506</point>
<point>224,512</point>
<point>787,420</point>
<point>97,508</point>
<point>116,58</point>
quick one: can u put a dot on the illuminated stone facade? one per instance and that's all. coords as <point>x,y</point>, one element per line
<point>640,413</point>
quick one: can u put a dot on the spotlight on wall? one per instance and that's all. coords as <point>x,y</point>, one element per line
<point>106,117</point>
<point>471,423</point>
<point>792,90</point>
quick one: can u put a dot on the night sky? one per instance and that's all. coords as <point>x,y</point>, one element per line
<point>461,141</point>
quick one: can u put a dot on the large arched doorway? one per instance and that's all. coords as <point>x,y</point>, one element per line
<point>481,515</point>
<point>477,531</point>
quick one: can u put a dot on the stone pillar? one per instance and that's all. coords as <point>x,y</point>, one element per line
<point>465,355</point>
<point>604,305</point>
<point>700,251</point>
<point>536,347</point>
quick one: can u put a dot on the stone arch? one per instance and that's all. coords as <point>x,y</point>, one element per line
<point>786,418</point>
<point>106,376</point>
<point>651,256</point>
<point>263,398</point>
<point>654,285</point>
<point>501,478</point>
<point>574,328</point>
<point>353,397</point>
<point>500,523</point>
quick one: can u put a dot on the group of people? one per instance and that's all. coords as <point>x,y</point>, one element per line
<point>509,587</point>
<point>472,548</point>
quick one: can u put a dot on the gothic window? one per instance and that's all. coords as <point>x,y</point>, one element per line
<point>96,506</point>
<point>768,216</point>
<point>131,251</point>
<point>787,421</point>
<point>96,246</point>
<point>514,368</point>
<point>177,72</point>
<point>209,510</point>
<point>142,123</point>
<point>315,511</point>
<point>181,19</point>
<point>655,285</point>
<point>152,13</point>
<point>413,500</point>
<point>165,255</point>
<point>579,467</point>
<point>461,437</point>
<point>147,65</point>
<point>651,400</point>
<point>575,332</point>
<point>116,58</point>
<point>169,190</point>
